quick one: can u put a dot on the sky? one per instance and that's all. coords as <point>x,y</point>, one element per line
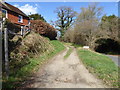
<point>46,9</point>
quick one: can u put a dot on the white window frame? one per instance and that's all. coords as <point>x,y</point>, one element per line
<point>21,19</point>
<point>6,13</point>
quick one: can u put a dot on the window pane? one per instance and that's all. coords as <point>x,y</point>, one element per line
<point>20,18</point>
<point>4,12</point>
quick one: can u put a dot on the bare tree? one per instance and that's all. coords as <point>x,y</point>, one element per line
<point>69,35</point>
<point>91,26</point>
<point>66,16</point>
<point>87,24</point>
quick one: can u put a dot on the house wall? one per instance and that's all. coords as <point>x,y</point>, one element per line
<point>13,17</point>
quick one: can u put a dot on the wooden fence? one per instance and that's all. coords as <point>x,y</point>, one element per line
<point>4,31</point>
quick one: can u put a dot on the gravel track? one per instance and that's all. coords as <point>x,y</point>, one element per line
<point>65,73</point>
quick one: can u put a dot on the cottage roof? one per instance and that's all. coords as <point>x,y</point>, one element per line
<point>12,8</point>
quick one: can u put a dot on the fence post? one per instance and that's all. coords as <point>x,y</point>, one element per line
<point>6,52</point>
<point>1,54</point>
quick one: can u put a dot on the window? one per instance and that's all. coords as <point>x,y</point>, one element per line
<point>28,22</point>
<point>4,12</point>
<point>20,19</point>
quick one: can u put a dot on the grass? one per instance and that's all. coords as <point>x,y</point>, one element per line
<point>72,44</point>
<point>101,65</point>
<point>58,46</point>
<point>26,71</point>
<point>76,45</point>
<point>70,49</point>
<point>68,53</point>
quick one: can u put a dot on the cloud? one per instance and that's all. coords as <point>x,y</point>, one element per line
<point>28,9</point>
<point>36,5</point>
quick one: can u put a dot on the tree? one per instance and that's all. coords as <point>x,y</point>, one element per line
<point>109,24</point>
<point>66,16</point>
<point>87,24</point>
<point>37,17</point>
<point>86,27</point>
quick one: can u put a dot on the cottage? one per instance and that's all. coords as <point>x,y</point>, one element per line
<point>15,15</point>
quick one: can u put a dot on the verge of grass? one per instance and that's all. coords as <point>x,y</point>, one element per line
<point>76,45</point>
<point>67,44</point>
<point>102,66</point>
<point>72,44</point>
<point>68,53</point>
<point>26,71</point>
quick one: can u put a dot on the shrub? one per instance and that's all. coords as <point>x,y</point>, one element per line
<point>43,28</point>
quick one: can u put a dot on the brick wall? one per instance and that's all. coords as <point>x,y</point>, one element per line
<point>13,17</point>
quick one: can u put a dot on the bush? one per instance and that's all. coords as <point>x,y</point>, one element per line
<point>43,28</point>
<point>33,44</point>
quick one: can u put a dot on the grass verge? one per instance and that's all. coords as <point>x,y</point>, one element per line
<point>15,79</point>
<point>76,45</point>
<point>101,65</point>
<point>68,53</point>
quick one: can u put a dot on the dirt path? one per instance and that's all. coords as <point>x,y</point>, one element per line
<point>66,73</point>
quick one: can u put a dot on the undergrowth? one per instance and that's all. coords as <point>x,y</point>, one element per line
<point>16,78</point>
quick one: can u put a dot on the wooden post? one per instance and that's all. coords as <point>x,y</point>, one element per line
<point>1,47</point>
<point>0,54</point>
<point>6,52</point>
